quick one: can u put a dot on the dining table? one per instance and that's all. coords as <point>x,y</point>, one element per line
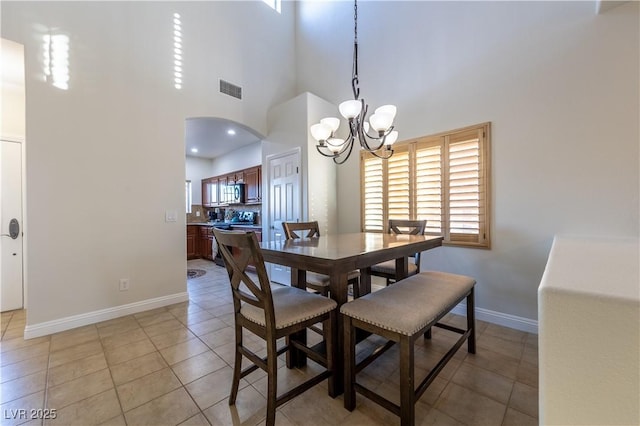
<point>335,255</point>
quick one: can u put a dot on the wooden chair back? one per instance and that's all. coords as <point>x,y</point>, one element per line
<point>412,227</point>
<point>239,250</point>
<point>401,226</point>
<point>312,228</point>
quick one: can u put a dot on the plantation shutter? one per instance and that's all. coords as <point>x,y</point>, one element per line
<point>398,197</point>
<point>428,172</point>
<point>442,178</point>
<point>372,193</point>
<point>465,176</point>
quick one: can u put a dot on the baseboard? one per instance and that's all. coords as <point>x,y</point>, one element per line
<point>499,318</point>
<point>62,324</point>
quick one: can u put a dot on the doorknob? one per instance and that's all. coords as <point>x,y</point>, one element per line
<point>14,229</point>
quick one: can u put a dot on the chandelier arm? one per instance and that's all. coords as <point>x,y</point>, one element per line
<point>322,153</point>
<point>337,160</point>
<point>382,139</point>
<point>384,157</point>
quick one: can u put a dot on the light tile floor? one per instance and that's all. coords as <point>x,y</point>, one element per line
<point>172,366</point>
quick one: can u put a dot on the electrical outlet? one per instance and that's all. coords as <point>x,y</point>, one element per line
<point>124,284</point>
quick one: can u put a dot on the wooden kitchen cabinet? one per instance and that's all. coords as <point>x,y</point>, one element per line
<point>253,185</point>
<point>210,192</point>
<point>192,242</point>
<point>215,193</point>
<point>205,241</point>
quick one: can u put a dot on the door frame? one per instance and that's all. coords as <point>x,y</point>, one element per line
<point>23,220</point>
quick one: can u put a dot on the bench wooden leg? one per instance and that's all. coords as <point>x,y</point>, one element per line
<point>407,393</point>
<point>427,334</point>
<point>471,323</point>
<point>349,364</point>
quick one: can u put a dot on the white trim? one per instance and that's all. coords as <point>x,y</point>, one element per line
<point>62,324</point>
<point>499,318</point>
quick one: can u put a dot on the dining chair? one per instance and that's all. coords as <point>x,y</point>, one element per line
<point>318,282</point>
<point>387,269</point>
<point>272,312</point>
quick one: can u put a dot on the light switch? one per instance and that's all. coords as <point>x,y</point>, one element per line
<point>170,216</point>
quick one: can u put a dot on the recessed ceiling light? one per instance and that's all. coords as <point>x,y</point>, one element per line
<point>194,150</point>
<point>231,132</point>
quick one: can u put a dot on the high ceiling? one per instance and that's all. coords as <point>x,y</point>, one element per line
<point>211,136</point>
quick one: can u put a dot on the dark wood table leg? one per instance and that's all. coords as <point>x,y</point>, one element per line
<point>338,288</point>
<point>402,268</point>
<point>365,281</point>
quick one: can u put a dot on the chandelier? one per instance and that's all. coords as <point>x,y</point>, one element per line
<point>378,143</point>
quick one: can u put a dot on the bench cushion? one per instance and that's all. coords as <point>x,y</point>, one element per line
<point>411,304</point>
<point>291,306</point>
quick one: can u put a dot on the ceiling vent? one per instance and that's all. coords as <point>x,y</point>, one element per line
<point>230,89</point>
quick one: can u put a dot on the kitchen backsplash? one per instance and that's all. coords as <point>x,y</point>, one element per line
<point>193,217</point>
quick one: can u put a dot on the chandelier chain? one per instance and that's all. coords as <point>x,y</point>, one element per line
<point>354,70</point>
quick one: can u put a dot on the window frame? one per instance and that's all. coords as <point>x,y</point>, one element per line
<point>188,195</point>
<point>445,140</point>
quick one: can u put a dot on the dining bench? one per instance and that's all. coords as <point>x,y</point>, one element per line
<point>401,313</point>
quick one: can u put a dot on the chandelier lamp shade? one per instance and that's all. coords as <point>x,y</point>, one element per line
<point>375,135</point>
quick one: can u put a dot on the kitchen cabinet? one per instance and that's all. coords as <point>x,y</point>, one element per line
<point>253,185</point>
<point>192,242</point>
<point>216,194</point>
<point>210,192</point>
<point>205,241</point>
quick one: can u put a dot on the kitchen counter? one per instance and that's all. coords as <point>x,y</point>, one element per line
<point>232,224</point>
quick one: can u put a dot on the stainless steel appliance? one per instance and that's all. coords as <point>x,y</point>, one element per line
<point>235,193</point>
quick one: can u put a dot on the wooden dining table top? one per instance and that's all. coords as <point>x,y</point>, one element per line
<point>345,251</point>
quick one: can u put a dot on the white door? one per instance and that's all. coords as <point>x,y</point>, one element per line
<point>284,203</point>
<point>11,226</point>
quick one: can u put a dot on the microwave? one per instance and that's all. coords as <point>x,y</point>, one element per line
<point>235,193</point>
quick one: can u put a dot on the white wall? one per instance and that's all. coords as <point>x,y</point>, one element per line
<point>239,159</point>
<point>321,172</point>
<point>559,84</point>
<point>105,159</point>
<point>196,169</point>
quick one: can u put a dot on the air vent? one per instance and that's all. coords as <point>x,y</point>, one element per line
<point>230,89</point>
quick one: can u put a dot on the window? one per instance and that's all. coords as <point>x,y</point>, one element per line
<point>274,4</point>
<point>187,190</point>
<point>177,51</point>
<point>442,178</point>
